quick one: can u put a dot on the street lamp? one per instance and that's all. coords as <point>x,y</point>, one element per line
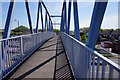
<point>18,25</point>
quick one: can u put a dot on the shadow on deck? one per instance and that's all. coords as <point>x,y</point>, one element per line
<point>49,61</point>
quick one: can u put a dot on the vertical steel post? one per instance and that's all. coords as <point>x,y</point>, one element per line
<point>97,17</point>
<point>9,19</point>
<point>21,47</point>
<point>29,17</point>
<point>49,24</point>
<point>65,17</point>
<point>52,26</point>
<point>76,20</point>
<point>69,14</point>
<point>45,20</point>
<point>41,15</point>
<point>62,20</point>
<point>37,17</point>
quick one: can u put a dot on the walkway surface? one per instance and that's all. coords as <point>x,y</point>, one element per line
<point>49,61</point>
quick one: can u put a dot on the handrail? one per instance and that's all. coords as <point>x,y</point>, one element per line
<point>71,43</point>
<point>19,36</point>
<point>15,50</point>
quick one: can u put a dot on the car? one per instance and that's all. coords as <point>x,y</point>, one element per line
<point>96,58</point>
<point>106,44</point>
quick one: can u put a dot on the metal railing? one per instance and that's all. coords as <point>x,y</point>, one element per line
<point>14,51</point>
<point>87,63</point>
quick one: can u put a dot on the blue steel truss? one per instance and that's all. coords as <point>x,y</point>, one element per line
<point>96,21</point>
<point>76,47</point>
<point>29,17</point>
<point>97,17</point>
<point>66,25</point>
<point>40,5</point>
<point>8,20</point>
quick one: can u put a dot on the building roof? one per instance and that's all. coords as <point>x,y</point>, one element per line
<point>115,33</point>
<point>104,32</point>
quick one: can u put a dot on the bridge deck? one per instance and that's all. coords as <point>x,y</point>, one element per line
<point>49,61</point>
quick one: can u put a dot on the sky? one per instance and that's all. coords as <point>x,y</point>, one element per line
<point>85,10</point>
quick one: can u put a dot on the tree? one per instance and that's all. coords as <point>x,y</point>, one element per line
<point>19,30</point>
<point>84,37</point>
<point>57,31</point>
<point>118,29</point>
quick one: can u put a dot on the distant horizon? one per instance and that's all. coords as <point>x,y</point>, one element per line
<point>70,30</point>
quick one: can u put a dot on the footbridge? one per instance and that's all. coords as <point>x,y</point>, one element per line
<point>46,55</point>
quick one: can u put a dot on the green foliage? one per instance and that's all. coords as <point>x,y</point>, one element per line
<point>0,34</point>
<point>118,29</point>
<point>39,30</point>
<point>57,31</point>
<point>107,55</point>
<point>84,37</point>
<point>19,30</point>
<point>106,29</point>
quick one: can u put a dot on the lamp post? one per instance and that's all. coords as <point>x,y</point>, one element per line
<point>18,25</point>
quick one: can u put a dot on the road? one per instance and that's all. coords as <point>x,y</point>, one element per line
<point>115,73</point>
<point>115,59</point>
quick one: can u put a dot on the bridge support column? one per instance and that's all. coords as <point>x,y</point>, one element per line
<point>45,20</point>
<point>65,17</point>
<point>37,18</point>
<point>69,14</point>
<point>62,24</point>
<point>29,18</point>
<point>76,20</point>
<point>62,20</point>
<point>41,15</point>
<point>6,35</point>
<point>97,17</point>
<point>8,20</point>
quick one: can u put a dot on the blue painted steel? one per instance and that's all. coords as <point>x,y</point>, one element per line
<point>69,14</point>
<point>41,16</point>
<point>97,17</point>
<point>45,20</point>
<point>62,24</point>
<point>47,23</point>
<point>8,20</point>
<point>50,25</point>
<point>78,54</point>
<point>28,14</point>
<point>76,20</point>
<point>37,18</point>
<point>65,17</point>
<point>62,20</point>
<point>6,35</point>
<point>55,16</point>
